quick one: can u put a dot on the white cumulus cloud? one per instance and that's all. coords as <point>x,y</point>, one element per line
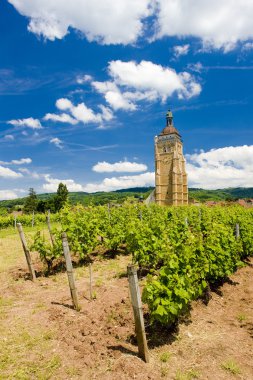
<point>52,184</point>
<point>248,46</point>
<point>84,79</point>
<point>31,174</point>
<point>8,173</point>
<point>17,162</point>
<point>107,113</point>
<point>107,21</point>
<point>82,113</point>
<point>180,50</point>
<point>63,104</point>
<point>197,67</point>
<point>113,96</point>
<point>148,76</point>
<point>218,23</point>
<point>22,161</point>
<point>221,168</point>
<point>121,166</point>
<point>62,118</point>
<point>7,194</point>
<point>57,142</point>
<point>122,182</point>
<point>132,82</point>
<point>30,122</point>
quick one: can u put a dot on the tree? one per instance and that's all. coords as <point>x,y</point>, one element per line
<point>61,196</point>
<point>31,201</point>
<point>42,206</point>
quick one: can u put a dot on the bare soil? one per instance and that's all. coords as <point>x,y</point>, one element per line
<point>43,337</point>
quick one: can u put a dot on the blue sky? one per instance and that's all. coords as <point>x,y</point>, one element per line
<point>85,86</point>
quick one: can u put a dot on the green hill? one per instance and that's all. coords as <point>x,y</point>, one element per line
<point>119,196</point>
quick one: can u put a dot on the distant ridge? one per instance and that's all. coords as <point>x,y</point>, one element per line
<point>200,195</point>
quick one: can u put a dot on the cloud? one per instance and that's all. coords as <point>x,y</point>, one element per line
<point>108,184</point>
<point>17,162</point>
<point>31,174</point>
<point>52,184</point>
<point>121,166</point>
<point>122,182</point>
<point>8,173</point>
<point>57,142</point>
<point>180,50</point>
<point>62,118</point>
<point>9,137</point>
<point>22,161</point>
<point>82,113</point>
<point>29,123</point>
<point>7,194</point>
<point>145,81</point>
<point>63,104</point>
<point>113,96</point>
<point>221,168</point>
<point>107,114</point>
<point>218,23</point>
<point>107,22</point>
<point>84,79</point>
<point>248,46</point>
<point>148,76</point>
<point>197,67</point>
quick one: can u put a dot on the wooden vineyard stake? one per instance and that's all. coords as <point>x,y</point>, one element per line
<point>15,222</point>
<point>237,231</point>
<point>33,220</point>
<point>49,229</point>
<point>90,271</point>
<point>26,251</point>
<point>109,212</point>
<point>186,221</point>
<point>138,313</point>
<point>70,272</point>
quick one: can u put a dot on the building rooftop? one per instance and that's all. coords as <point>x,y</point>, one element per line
<point>169,129</point>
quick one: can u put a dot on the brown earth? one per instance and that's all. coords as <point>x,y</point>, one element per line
<point>42,337</point>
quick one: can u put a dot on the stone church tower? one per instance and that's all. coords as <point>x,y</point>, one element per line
<point>170,176</point>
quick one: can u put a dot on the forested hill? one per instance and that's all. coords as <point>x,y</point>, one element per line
<point>120,195</point>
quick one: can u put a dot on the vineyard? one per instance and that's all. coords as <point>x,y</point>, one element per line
<point>181,251</point>
<point>183,254</point>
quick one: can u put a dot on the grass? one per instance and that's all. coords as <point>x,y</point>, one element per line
<point>187,375</point>
<point>22,357</point>
<point>10,231</point>
<point>32,370</point>
<point>112,316</point>
<point>241,318</point>
<point>231,366</point>
<point>5,303</point>
<point>73,371</point>
<point>164,371</point>
<point>11,251</point>
<point>165,356</point>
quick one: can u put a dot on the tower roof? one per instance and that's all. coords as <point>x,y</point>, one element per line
<point>169,129</point>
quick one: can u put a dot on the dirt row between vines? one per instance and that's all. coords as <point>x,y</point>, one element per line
<point>42,337</point>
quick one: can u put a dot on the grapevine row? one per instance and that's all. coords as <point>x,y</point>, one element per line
<point>182,249</point>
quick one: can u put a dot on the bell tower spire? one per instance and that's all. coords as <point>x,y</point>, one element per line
<point>169,118</point>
